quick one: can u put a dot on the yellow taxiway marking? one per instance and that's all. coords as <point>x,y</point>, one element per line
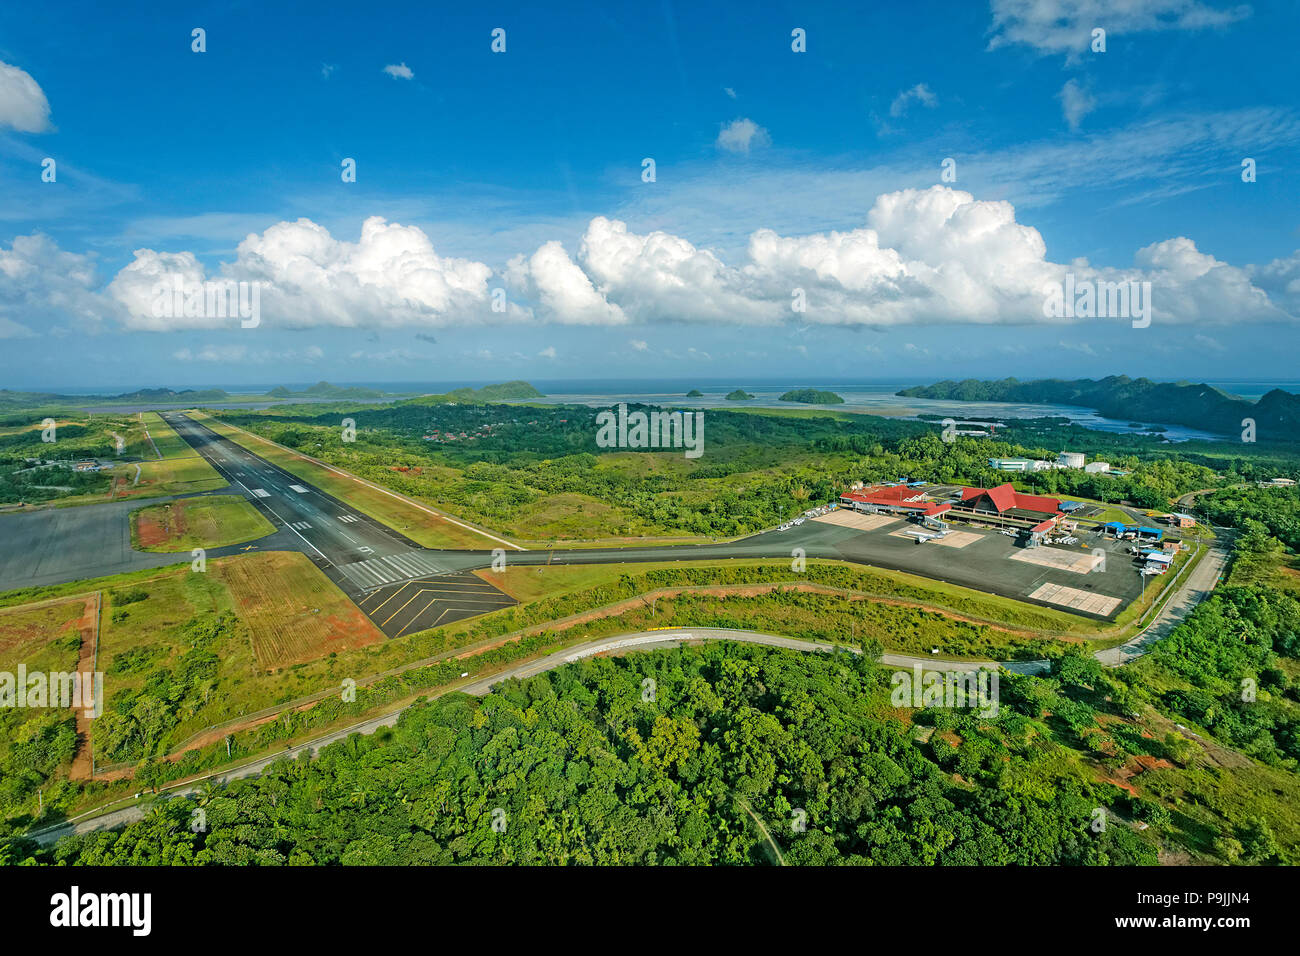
<point>442,587</point>
<point>399,610</point>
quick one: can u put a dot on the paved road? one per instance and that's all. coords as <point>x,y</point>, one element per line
<point>1189,594</point>
<point>1200,582</point>
<point>117,818</point>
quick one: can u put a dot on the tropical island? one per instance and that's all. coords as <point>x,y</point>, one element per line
<point>695,393</point>
<point>1128,399</point>
<point>739,395</point>
<point>514,391</point>
<point>812,396</point>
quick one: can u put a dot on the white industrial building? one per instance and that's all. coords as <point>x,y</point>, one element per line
<point>1097,467</point>
<point>1071,459</point>
<point>1020,464</point>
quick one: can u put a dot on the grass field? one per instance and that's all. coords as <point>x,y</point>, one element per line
<point>293,634</point>
<point>526,584</point>
<point>296,634</point>
<point>45,636</point>
<point>165,439</point>
<point>424,527</point>
<point>39,745</point>
<point>294,612</point>
<point>180,471</point>
<point>208,522</point>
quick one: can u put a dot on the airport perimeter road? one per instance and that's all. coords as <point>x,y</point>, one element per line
<point>1190,593</point>
<point>646,639</point>
<point>1200,582</point>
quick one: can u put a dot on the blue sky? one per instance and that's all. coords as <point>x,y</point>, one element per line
<point>522,171</point>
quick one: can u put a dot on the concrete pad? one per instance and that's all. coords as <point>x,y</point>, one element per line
<point>1080,562</point>
<point>957,539</point>
<point>857,520</point>
<point>1088,602</point>
<point>953,539</point>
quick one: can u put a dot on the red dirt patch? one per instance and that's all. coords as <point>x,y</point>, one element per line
<point>82,765</point>
<point>157,526</point>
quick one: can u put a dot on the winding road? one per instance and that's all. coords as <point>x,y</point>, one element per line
<point>1194,589</point>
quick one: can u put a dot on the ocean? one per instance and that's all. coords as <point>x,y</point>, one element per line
<point>866,396</point>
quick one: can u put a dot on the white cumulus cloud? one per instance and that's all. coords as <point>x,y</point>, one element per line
<point>563,291</point>
<point>23,105</point>
<point>391,277</point>
<point>931,256</point>
<point>399,71</point>
<point>42,286</point>
<point>740,135</point>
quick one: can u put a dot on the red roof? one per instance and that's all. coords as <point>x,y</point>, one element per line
<point>898,497</point>
<point>1043,526</point>
<point>1005,497</point>
<point>936,509</point>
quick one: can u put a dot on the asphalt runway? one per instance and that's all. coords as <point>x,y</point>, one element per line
<point>399,585</point>
<point>403,587</point>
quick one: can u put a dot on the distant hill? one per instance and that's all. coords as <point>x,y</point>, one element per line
<point>166,395</point>
<point>812,396</point>
<point>503,392</point>
<point>739,395</point>
<point>506,391</point>
<point>11,399</point>
<point>695,393</point>
<point>326,390</point>
<point>1276,414</point>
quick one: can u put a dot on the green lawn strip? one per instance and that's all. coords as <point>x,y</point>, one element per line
<point>209,522</point>
<point>170,444</point>
<point>398,514</point>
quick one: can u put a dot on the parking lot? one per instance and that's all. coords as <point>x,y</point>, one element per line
<point>1072,578</point>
